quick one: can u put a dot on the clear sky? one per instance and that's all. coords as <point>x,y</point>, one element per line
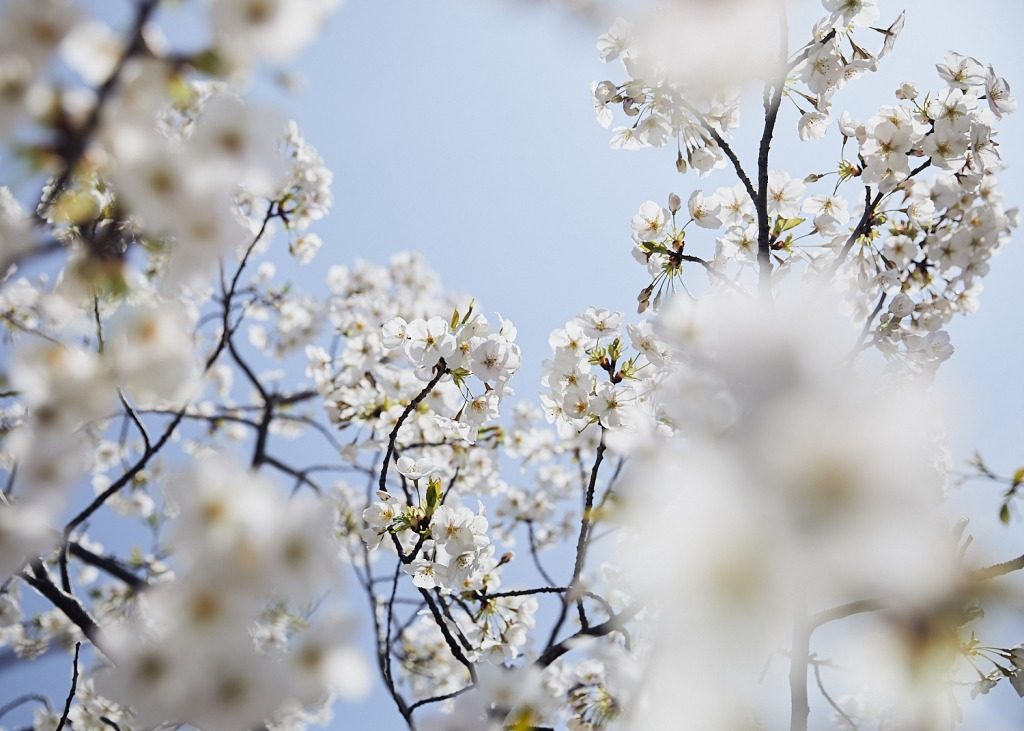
<point>464,129</point>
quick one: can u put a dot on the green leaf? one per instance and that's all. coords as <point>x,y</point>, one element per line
<point>1004,514</point>
<point>1018,477</point>
<point>790,223</point>
<point>208,62</point>
<point>433,494</point>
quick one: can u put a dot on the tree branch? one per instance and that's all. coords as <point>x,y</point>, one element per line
<point>582,543</point>
<point>613,624</point>
<point>74,688</point>
<point>39,580</point>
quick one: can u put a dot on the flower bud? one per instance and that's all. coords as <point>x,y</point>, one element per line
<point>674,202</point>
<point>681,163</point>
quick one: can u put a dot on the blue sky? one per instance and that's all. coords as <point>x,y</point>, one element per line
<point>463,129</point>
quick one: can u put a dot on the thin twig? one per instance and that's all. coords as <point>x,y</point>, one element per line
<point>74,688</point>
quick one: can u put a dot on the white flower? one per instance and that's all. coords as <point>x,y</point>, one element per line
<point>222,510</point>
<point>598,322</point>
<point>416,469</point>
<point>829,212</point>
<point>961,72</point>
<point>626,138</point>
<point>423,573</point>
<point>602,95</point>
<point>907,90</point>
<point>34,28</point>
<point>576,403</point>
<point>953,110</point>
<point>493,359</point>
<point>266,29</point>
<point>479,410</point>
<point>784,194</point>
<point>428,341</point>
<point>737,206</point>
<point>240,144</point>
<point>705,210</point>
<point>458,529</point>
<point>813,125</point>
<point>92,49</point>
<point>152,354</point>
<point>395,333</point>
<point>651,223</point>
<point>740,242</point>
<point>379,516</point>
<point>453,429</point>
<point>901,250</point>
<point>24,534</point>
<point>612,44</point>
<point>848,126</point>
<point>306,247</point>
<point>302,553</point>
<point>853,12</point>
<point>323,658</point>
<point>997,94</point>
<point>64,384</point>
<point>643,339</point>
<point>610,404</point>
<point>149,674</point>
<point>946,147</point>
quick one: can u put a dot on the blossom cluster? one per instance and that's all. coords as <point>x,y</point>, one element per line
<point>148,357</point>
<point>911,249</point>
<point>688,64</point>
<point>249,565</point>
<point>809,509</point>
<point>594,376</point>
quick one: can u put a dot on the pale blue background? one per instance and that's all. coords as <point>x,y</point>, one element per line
<point>464,129</point>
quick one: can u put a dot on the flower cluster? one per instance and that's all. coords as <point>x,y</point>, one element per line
<point>911,249</point>
<point>247,559</point>
<point>594,376</point>
<point>936,236</point>
<point>688,64</point>
<point>809,507</point>
<point>149,356</point>
<point>156,168</point>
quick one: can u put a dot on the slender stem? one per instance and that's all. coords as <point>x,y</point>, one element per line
<point>22,700</point>
<point>229,292</point>
<point>126,478</point>
<point>771,116</point>
<point>441,370</point>
<point>843,611</point>
<point>446,632</point>
<point>999,569</point>
<point>613,624</point>
<point>74,689</point>
<point>724,145</point>
<point>829,699</point>
<point>582,542</point>
<point>439,698</point>
<point>535,556</point>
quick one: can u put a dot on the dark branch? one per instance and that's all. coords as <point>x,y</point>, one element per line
<point>74,688</point>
